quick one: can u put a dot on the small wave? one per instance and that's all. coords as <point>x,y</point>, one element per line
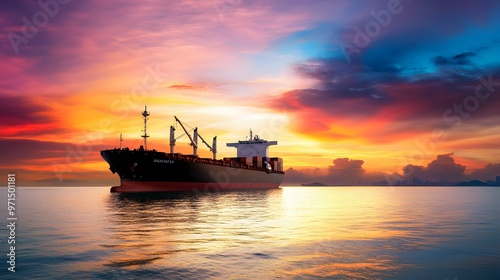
<point>132,262</point>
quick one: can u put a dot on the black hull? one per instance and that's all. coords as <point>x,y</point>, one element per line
<point>152,171</point>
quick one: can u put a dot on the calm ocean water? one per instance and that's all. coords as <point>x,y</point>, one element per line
<point>289,233</point>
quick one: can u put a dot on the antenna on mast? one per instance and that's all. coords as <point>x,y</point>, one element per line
<point>121,140</point>
<point>145,116</point>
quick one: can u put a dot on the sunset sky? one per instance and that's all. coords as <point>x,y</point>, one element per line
<point>347,88</point>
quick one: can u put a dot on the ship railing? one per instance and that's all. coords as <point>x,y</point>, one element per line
<point>221,162</point>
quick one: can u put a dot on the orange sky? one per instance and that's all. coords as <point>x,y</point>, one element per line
<point>292,72</point>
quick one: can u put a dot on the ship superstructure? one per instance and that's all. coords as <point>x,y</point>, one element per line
<point>146,170</point>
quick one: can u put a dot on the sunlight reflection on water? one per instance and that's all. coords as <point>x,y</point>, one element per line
<point>293,232</point>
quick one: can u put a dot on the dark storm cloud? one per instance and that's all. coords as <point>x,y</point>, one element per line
<point>344,171</point>
<point>380,84</point>
<point>23,152</point>
<point>460,59</point>
<point>355,165</point>
<point>24,117</point>
<point>489,172</point>
<point>345,90</point>
<point>392,77</point>
<point>442,169</point>
<point>19,110</point>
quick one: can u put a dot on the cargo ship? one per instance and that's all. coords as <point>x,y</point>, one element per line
<point>149,170</point>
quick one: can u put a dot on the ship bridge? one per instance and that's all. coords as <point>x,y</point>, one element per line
<point>253,147</point>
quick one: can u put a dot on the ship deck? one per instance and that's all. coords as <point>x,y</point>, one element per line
<point>194,159</point>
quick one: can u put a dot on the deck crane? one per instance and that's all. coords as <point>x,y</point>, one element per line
<point>212,148</point>
<point>194,140</point>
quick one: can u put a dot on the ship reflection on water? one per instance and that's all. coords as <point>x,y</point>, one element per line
<point>190,222</point>
<point>362,233</point>
<point>293,232</point>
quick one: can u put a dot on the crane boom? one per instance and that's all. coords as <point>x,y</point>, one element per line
<point>187,133</point>
<point>212,148</point>
<point>205,142</point>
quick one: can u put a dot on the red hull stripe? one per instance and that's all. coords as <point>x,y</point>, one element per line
<point>131,186</point>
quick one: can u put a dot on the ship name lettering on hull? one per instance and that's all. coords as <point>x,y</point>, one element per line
<point>164,160</point>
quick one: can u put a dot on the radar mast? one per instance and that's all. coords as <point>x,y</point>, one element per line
<point>145,116</point>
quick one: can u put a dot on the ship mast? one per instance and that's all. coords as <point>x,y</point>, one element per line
<point>145,116</point>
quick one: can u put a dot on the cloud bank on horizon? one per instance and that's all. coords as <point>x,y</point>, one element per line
<point>388,83</point>
<point>443,170</point>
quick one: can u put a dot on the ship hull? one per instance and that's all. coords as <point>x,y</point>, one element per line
<point>136,186</point>
<point>152,171</point>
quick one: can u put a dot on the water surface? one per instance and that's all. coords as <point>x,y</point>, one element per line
<point>288,233</point>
